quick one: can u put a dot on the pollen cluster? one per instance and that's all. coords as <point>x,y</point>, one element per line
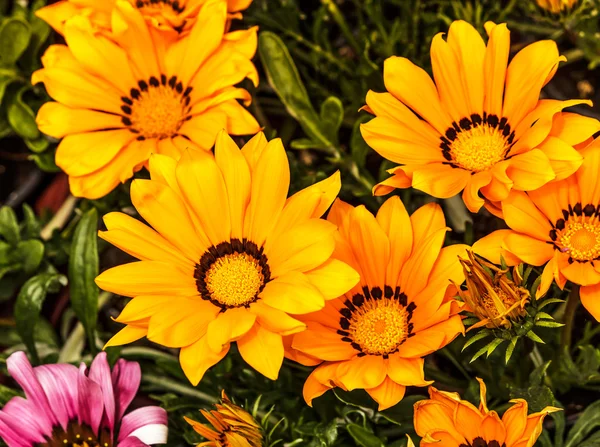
<point>157,108</point>
<point>235,279</point>
<point>581,240</point>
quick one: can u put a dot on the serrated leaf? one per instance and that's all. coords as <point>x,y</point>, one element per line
<point>537,375</point>
<point>9,228</point>
<point>491,345</point>
<point>29,304</point>
<point>546,323</point>
<point>83,269</point>
<point>533,336</point>
<point>478,336</point>
<point>549,301</point>
<point>510,349</point>
<point>544,315</point>
<point>363,437</point>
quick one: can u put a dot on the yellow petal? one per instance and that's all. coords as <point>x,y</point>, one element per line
<point>362,372</point>
<point>495,63</point>
<point>263,350</point>
<point>589,298</point>
<point>521,214</point>
<point>197,358</point>
<point>407,372</point>
<point>58,120</point>
<point>293,293</point>
<point>128,334</point>
<point>388,394</point>
<point>229,326</point>
<point>323,343</point>
<point>333,278</point>
<point>275,320</point>
<point>395,222</point>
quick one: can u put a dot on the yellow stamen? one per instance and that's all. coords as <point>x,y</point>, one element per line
<point>234,279</point>
<point>479,148</point>
<point>379,326</point>
<point>580,238</point>
<point>158,112</point>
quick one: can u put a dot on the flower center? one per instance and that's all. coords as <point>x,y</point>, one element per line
<point>490,306</point>
<point>480,442</point>
<point>77,436</point>
<point>156,109</point>
<point>578,234</point>
<point>477,144</point>
<point>160,5</point>
<point>232,274</point>
<point>376,322</point>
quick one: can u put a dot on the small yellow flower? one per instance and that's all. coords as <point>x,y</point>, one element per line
<point>232,426</point>
<point>491,294</point>
<point>556,6</point>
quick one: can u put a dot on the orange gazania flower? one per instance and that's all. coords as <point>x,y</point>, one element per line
<point>556,6</point>
<point>447,421</point>
<point>119,100</point>
<point>557,225</point>
<point>172,16</point>
<point>375,336</point>
<point>229,257</point>
<point>481,127</point>
<point>232,426</point>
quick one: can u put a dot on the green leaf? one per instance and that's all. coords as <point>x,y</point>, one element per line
<point>83,269</point>
<point>549,301</point>
<point>402,413</point>
<point>546,323</point>
<point>7,394</point>
<point>14,39</point>
<point>533,336</point>
<point>510,349</point>
<point>7,76</point>
<point>538,397</point>
<point>363,437</point>
<point>358,147</point>
<point>31,227</point>
<point>29,303</point>
<point>332,115</point>
<point>9,228</point>
<point>478,336</point>
<point>588,421</point>
<point>356,398</point>
<point>30,253</point>
<point>303,143</point>
<point>21,118</point>
<point>487,349</point>
<point>284,78</point>
<point>46,161</point>
<point>38,145</point>
<point>537,375</point>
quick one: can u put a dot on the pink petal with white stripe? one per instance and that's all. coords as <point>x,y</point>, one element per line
<point>154,418</point>
<point>126,377</point>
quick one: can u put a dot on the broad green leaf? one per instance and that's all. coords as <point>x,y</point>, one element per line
<point>29,304</point>
<point>7,394</point>
<point>284,78</point>
<point>363,437</point>
<point>14,39</point>
<point>30,254</point>
<point>83,269</point>
<point>7,76</point>
<point>30,226</point>
<point>358,147</point>
<point>587,421</point>
<point>38,145</point>
<point>538,397</point>
<point>21,117</point>
<point>46,161</point>
<point>9,228</point>
<point>332,115</point>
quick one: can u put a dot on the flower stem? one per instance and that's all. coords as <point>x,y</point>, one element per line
<point>569,318</point>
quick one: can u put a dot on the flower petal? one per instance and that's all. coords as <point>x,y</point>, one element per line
<point>197,358</point>
<point>263,350</point>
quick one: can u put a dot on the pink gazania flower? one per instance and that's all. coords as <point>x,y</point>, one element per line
<point>66,406</point>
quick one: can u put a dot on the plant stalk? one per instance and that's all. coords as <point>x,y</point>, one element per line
<point>569,318</point>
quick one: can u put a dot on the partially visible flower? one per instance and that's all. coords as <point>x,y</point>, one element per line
<point>174,16</point>
<point>481,128</point>
<point>556,6</point>
<point>445,420</point>
<point>121,99</point>
<point>557,225</point>
<point>232,426</point>
<point>496,296</point>
<point>66,406</point>
<point>229,257</point>
<point>376,335</point>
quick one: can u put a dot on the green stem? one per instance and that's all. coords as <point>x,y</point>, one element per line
<point>569,318</point>
<point>179,388</point>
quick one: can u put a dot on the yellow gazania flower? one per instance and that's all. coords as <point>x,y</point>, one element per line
<point>445,420</point>
<point>557,225</point>
<point>494,298</point>
<point>229,258</point>
<point>556,6</point>
<point>173,16</point>
<point>118,101</point>
<point>232,426</point>
<point>480,128</point>
<point>375,336</point>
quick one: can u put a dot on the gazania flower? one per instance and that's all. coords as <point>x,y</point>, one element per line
<point>445,420</point>
<point>556,6</point>
<point>496,298</point>
<point>232,426</point>
<point>174,16</point>
<point>480,128</point>
<point>375,336</point>
<point>557,225</point>
<point>118,101</point>
<point>66,406</point>
<point>229,258</point>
